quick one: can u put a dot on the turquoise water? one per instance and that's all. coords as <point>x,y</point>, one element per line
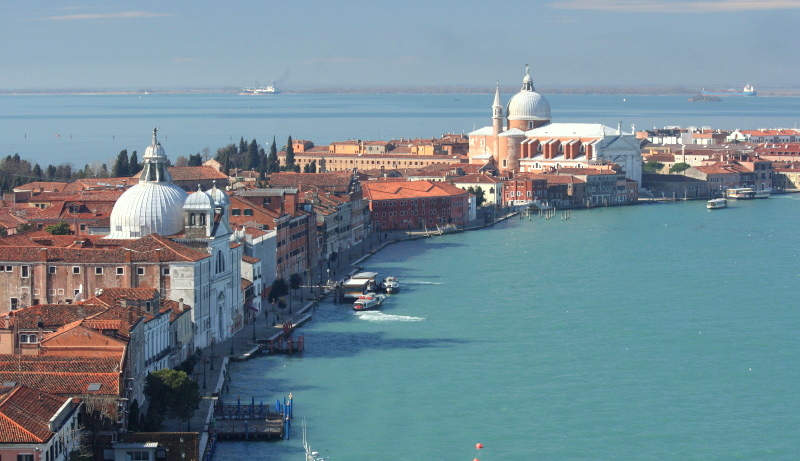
<point>639,333</point>
<point>95,128</point>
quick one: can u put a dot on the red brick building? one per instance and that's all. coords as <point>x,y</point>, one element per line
<point>408,205</point>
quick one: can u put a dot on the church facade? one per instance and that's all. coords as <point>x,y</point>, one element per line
<point>523,139</point>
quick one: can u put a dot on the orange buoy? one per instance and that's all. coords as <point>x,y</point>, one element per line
<point>479,445</point>
<point>476,459</point>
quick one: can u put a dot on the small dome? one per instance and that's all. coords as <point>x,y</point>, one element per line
<point>148,208</point>
<point>219,196</point>
<point>199,201</point>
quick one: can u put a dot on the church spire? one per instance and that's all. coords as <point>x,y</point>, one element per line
<point>497,117</point>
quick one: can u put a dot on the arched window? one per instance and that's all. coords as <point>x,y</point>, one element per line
<point>191,219</point>
<point>220,262</point>
<point>202,219</point>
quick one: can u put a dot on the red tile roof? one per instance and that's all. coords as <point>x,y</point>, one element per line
<point>380,190</point>
<point>25,414</point>
<point>62,375</point>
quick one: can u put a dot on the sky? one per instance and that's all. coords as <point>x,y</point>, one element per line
<point>109,44</point>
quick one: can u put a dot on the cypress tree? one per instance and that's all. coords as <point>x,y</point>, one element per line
<point>121,165</point>
<point>272,159</point>
<point>289,155</point>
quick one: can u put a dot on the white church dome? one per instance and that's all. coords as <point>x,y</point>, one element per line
<point>154,206</point>
<point>199,201</point>
<point>219,196</point>
<point>528,104</point>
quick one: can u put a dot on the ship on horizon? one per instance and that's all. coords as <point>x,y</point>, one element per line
<point>259,89</point>
<point>749,90</point>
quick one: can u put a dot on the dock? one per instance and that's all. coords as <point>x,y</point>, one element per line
<point>252,421</point>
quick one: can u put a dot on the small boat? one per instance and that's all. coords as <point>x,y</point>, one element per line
<point>391,284</point>
<point>368,301</point>
<point>716,203</point>
<point>740,193</point>
<point>311,455</point>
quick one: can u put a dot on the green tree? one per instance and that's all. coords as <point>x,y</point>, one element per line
<point>121,165</point>
<point>273,165</point>
<point>25,227</point>
<point>279,288</point>
<point>172,394</point>
<point>480,197</point>
<point>252,160</point>
<point>134,167</point>
<point>295,282</point>
<point>322,165</point>
<point>196,160</point>
<point>679,167</point>
<point>651,166</point>
<point>62,228</point>
<point>289,161</point>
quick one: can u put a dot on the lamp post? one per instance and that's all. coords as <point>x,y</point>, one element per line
<point>254,327</point>
<point>204,373</point>
<point>212,354</point>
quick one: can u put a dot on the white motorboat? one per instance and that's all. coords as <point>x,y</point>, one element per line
<point>391,284</point>
<point>368,301</point>
<point>716,203</point>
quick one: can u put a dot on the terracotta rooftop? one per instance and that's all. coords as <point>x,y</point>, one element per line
<point>379,190</point>
<point>339,182</point>
<point>25,414</point>
<point>195,173</point>
<point>62,375</point>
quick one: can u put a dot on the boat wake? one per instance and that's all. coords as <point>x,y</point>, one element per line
<point>378,316</point>
<point>419,282</point>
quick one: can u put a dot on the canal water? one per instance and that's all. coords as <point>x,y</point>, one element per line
<point>651,332</point>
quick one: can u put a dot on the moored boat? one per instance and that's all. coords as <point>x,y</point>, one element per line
<point>716,204</point>
<point>391,284</point>
<point>740,193</point>
<point>368,301</point>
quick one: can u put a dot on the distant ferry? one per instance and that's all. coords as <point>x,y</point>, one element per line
<point>749,90</point>
<point>259,89</point>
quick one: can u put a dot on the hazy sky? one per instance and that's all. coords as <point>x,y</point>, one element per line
<point>57,44</point>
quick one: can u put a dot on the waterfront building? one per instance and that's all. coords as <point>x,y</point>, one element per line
<point>524,188</point>
<point>787,178</point>
<point>346,205</point>
<point>779,135</point>
<point>37,425</point>
<point>411,205</point>
<point>279,210</point>
<point>530,142</point>
<point>369,155</point>
<point>491,186</point>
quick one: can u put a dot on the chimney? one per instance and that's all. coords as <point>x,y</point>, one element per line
<point>180,305</point>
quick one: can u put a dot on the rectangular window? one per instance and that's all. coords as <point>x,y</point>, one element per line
<point>9,268</point>
<point>51,270</point>
<point>236,212</point>
<point>165,271</point>
<point>98,271</point>
<point>25,457</point>
<point>248,212</point>
<point>120,271</point>
<point>76,269</point>
<point>14,304</point>
<point>140,271</point>
<point>24,271</point>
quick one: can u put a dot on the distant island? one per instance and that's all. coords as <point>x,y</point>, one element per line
<point>428,89</point>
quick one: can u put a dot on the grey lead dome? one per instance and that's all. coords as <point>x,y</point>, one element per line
<point>155,205</point>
